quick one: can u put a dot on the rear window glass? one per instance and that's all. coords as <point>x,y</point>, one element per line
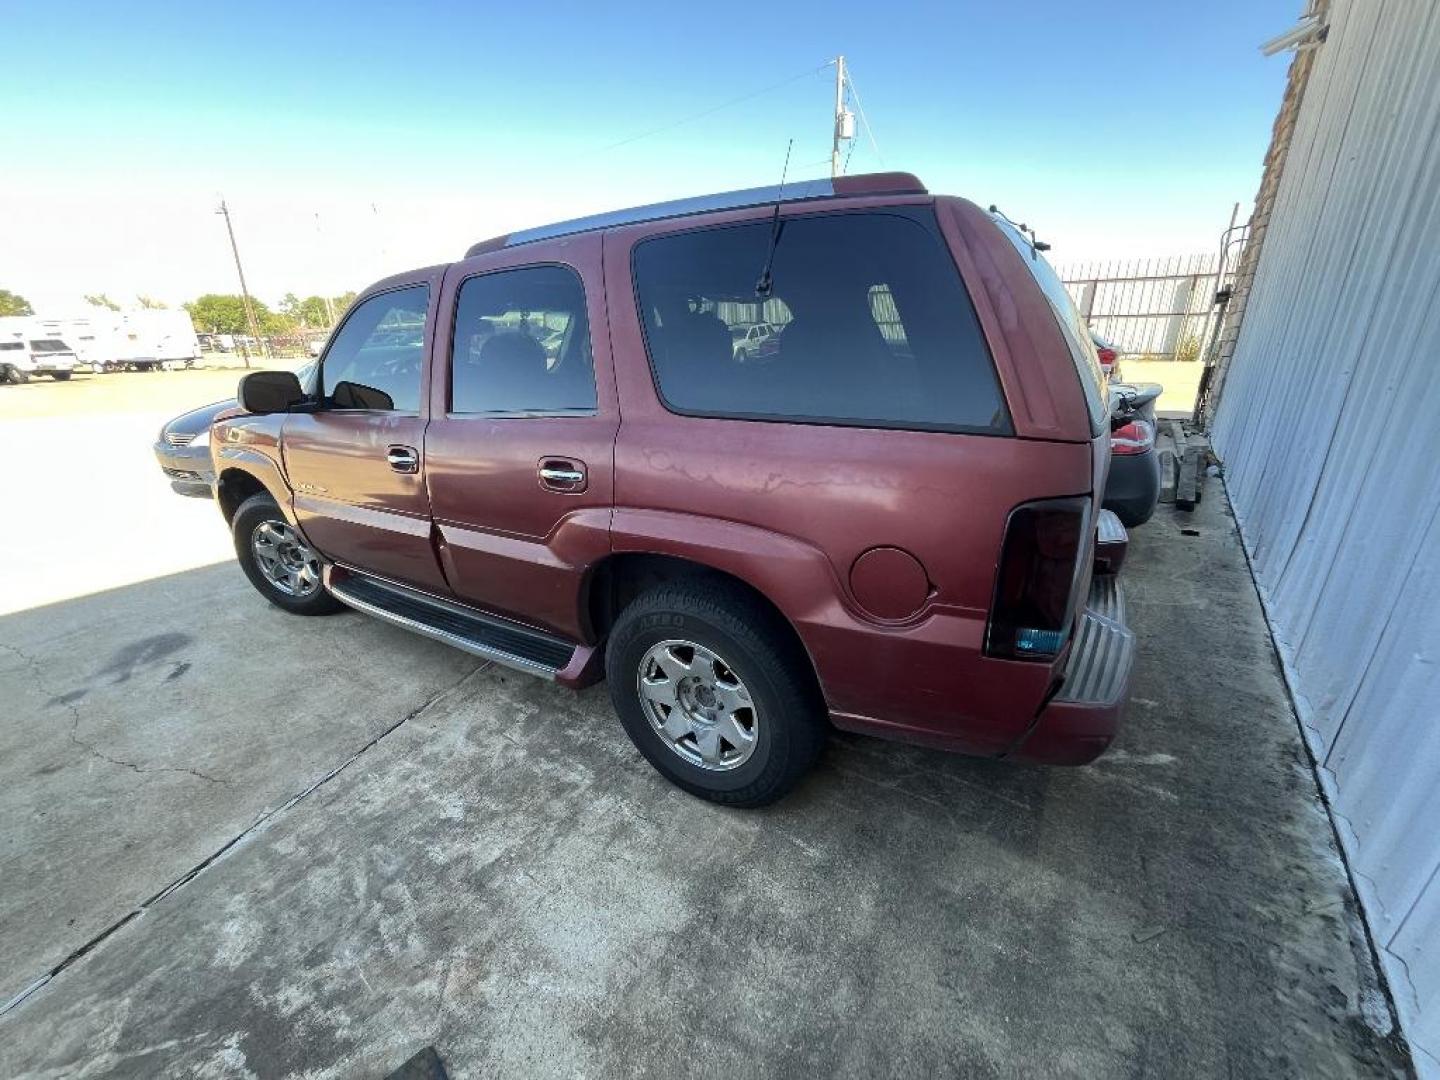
<point>48,345</point>
<point>1072,325</point>
<point>867,323</point>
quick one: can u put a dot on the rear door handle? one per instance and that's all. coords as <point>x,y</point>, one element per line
<point>563,474</point>
<point>403,459</point>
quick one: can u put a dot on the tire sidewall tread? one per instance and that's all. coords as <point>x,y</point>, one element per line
<point>249,514</point>
<point>774,670</point>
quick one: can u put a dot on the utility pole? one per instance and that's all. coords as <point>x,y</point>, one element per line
<point>839,115</point>
<point>224,212</point>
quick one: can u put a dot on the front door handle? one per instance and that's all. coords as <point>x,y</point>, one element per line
<point>563,474</point>
<point>403,459</point>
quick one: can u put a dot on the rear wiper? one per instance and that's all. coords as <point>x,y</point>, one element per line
<point>766,283</point>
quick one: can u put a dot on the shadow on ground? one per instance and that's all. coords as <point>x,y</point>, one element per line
<point>502,875</point>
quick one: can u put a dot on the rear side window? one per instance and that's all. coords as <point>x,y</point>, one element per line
<point>375,360</point>
<point>522,345</point>
<point>867,324</point>
<point>8,346</point>
<point>1072,325</point>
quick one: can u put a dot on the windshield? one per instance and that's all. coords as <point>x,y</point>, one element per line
<point>50,345</point>
<point>1072,324</point>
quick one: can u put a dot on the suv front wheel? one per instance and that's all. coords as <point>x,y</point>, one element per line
<point>714,693</point>
<point>279,563</point>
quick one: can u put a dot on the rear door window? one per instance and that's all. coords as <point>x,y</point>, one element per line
<point>867,323</point>
<point>522,345</point>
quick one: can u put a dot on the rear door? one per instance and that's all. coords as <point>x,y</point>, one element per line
<point>356,463</point>
<point>519,452</point>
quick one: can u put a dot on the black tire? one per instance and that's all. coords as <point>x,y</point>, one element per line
<point>252,513</point>
<point>60,376</point>
<point>789,711</point>
<point>19,375</point>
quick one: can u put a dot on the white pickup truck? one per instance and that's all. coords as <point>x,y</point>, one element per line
<point>24,357</point>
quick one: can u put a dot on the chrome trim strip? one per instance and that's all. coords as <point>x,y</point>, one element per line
<point>700,204</point>
<point>517,663</point>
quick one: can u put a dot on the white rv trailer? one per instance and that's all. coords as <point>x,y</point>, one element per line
<point>112,340</point>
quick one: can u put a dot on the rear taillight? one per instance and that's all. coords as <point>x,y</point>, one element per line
<point>1136,437</point>
<point>1036,588</point>
<point>1107,358</point>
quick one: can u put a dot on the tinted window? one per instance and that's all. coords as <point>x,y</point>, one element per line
<point>7,345</point>
<point>375,359</point>
<point>48,345</point>
<point>522,344</point>
<point>867,323</point>
<point>1072,324</point>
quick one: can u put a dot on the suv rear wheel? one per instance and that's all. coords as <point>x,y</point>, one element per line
<point>714,693</point>
<point>278,562</point>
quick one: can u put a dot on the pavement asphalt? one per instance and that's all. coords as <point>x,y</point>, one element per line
<point>238,843</point>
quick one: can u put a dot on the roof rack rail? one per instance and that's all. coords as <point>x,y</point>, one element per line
<point>889,183</point>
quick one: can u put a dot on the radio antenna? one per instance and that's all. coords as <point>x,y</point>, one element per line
<point>763,286</point>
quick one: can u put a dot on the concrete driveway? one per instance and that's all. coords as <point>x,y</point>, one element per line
<point>238,843</point>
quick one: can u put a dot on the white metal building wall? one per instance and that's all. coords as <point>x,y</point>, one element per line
<point>1329,430</point>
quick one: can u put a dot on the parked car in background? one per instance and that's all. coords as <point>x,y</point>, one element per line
<point>19,360</point>
<point>888,531</point>
<point>1108,355</point>
<point>1133,487</point>
<point>183,446</point>
<point>754,341</point>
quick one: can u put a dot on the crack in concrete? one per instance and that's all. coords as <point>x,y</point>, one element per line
<point>260,823</point>
<point>37,676</point>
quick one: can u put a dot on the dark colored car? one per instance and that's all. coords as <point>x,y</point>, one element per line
<point>888,527</point>
<point>1133,487</point>
<point>183,446</point>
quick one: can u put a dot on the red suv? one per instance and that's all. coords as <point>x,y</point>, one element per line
<point>549,454</point>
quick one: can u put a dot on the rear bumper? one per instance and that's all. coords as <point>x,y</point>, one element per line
<point>1080,720</point>
<point>1133,487</point>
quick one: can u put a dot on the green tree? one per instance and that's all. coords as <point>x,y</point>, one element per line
<point>224,313</point>
<point>14,304</point>
<point>149,303</point>
<point>101,300</point>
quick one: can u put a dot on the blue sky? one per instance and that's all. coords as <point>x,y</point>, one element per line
<point>1116,128</point>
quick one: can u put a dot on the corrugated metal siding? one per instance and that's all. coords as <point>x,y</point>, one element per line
<point>1327,428</point>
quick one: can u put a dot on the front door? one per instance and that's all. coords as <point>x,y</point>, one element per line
<point>356,464</point>
<point>520,445</point>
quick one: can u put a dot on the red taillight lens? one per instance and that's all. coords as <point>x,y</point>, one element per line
<point>1035,589</point>
<point>1136,437</point>
<point>1107,358</point>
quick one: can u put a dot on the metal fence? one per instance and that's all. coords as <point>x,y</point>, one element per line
<point>1161,308</point>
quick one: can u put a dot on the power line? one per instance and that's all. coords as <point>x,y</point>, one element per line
<point>711,111</point>
<point>864,120</point>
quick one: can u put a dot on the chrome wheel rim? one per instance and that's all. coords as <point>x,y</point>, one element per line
<point>285,560</point>
<point>698,705</point>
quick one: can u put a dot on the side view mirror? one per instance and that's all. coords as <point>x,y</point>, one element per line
<point>269,391</point>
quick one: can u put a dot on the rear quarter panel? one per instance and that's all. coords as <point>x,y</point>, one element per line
<point>789,508</point>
